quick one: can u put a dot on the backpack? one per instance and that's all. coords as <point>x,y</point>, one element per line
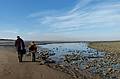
<point>23,51</point>
<point>32,48</point>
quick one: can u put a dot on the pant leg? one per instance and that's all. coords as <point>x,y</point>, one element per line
<point>33,57</point>
<point>20,55</point>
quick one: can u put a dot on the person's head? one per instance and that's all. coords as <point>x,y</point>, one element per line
<point>32,43</point>
<point>18,37</point>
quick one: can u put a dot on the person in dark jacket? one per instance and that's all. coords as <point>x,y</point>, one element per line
<point>20,47</point>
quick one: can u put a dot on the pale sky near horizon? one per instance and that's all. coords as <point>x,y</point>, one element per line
<point>60,19</point>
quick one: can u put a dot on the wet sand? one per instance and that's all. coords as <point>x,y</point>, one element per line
<point>11,69</point>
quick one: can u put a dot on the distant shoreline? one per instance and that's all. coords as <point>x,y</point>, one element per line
<point>10,42</point>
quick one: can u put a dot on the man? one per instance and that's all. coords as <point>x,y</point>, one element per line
<point>33,50</point>
<point>20,46</point>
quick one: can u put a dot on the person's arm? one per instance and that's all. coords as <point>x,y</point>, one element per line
<point>35,47</point>
<point>23,44</point>
<point>29,47</point>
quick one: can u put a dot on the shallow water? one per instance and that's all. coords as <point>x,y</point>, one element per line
<point>68,48</point>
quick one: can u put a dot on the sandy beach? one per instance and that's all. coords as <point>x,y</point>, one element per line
<point>11,69</point>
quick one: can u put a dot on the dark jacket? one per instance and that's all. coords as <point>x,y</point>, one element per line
<point>33,48</point>
<point>19,44</point>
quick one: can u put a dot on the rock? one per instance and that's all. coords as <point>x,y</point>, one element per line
<point>42,62</point>
<point>110,69</point>
<point>61,65</point>
<point>87,67</point>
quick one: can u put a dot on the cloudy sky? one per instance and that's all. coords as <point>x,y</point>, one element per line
<point>60,19</point>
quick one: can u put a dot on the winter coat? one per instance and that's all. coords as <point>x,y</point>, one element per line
<point>19,44</point>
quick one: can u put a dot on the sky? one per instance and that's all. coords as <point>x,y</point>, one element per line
<point>66,20</point>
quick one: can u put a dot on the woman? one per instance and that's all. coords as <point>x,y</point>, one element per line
<point>33,50</point>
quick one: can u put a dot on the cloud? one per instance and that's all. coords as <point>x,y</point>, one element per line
<point>81,4</point>
<point>9,31</point>
<point>77,19</point>
<point>87,14</point>
<point>43,13</point>
<point>9,34</point>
